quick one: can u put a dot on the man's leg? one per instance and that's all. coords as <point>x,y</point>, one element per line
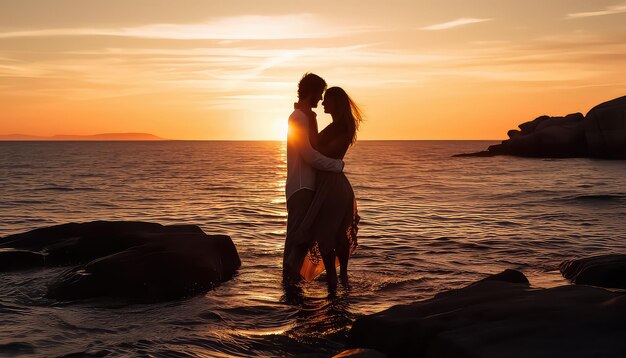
<point>297,207</point>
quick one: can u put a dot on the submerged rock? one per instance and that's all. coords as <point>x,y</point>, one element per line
<point>603,271</point>
<point>12,259</point>
<point>500,319</point>
<point>508,275</point>
<point>76,243</point>
<point>135,260</point>
<point>165,267</point>
<point>599,134</point>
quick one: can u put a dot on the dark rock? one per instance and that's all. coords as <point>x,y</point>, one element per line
<point>605,129</point>
<point>603,271</point>
<point>557,137</point>
<point>40,238</point>
<point>570,119</point>
<point>508,275</point>
<point>72,244</point>
<point>529,127</point>
<point>544,137</point>
<point>513,133</point>
<point>500,319</point>
<point>599,134</point>
<point>484,153</point>
<point>166,266</point>
<point>496,149</point>
<point>135,260</point>
<point>12,259</point>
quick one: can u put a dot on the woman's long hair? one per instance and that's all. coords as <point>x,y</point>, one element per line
<point>348,112</point>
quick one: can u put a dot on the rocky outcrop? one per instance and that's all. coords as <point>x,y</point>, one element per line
<point>599,134</point>
<point>605,129</point>
<point>603,271</point>
<point>495,318</point>
<point>548,137</point>
<point>134,260</point>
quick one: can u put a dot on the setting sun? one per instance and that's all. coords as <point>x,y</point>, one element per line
<point>281,127</point>
<point>422,70</point>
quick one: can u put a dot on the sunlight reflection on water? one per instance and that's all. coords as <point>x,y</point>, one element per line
<point>429,222</point>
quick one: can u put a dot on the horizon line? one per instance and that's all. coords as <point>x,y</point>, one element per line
<point>231,140</point>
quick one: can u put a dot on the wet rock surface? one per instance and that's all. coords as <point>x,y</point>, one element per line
<point>76,243</point>
<point>604,271</point>
<point>165,267</point>
<point>15,259</point>
<point>134,260</point>
<point>500,318</point>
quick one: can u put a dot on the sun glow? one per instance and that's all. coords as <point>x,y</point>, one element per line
<point>200,70</point>
<point>279,130</point>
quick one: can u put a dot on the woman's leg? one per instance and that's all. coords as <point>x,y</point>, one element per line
<point>344,256</point>
<point>331,271</point>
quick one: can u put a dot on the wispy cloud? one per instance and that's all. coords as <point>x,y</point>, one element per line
<point>454,23</point>
<point>240,74</point>
<point>215,76</point>
<point>611,10</point>
<point>295,26</point>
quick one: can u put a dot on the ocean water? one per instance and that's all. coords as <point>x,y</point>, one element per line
<point>430,222</point>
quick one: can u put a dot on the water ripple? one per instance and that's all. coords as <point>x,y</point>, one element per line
<point>429,222</point>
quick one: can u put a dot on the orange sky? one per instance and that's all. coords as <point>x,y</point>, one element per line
<point>196,69</point>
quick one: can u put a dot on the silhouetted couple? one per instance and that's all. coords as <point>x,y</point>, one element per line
<point>322,215</point>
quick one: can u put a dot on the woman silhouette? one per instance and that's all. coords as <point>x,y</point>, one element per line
<point>329,229</point>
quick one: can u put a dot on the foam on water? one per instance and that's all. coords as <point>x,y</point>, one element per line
<point>430,222</point>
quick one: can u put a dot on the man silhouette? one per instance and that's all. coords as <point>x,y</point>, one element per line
<point>302,163</point>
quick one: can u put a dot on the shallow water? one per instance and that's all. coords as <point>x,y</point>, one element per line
<point>429,222</point>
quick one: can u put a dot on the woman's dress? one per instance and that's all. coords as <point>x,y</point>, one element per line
<point>331,223</point>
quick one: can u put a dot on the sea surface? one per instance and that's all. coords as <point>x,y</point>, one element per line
<point>430,222</point>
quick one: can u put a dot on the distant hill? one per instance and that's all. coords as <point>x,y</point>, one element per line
<point>94,137</point>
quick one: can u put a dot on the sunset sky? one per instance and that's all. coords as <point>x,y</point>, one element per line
<point>198,69</point>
